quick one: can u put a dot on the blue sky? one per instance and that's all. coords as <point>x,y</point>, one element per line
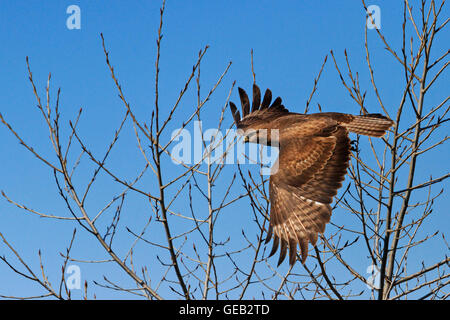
<point>290,40</point>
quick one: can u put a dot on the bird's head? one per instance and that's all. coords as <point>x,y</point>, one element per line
<point>256,124</point>
<point>265,137</point>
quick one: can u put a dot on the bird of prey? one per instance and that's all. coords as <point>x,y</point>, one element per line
<point>314,154</point>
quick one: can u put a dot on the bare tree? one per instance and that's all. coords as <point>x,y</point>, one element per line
<point>185,229</point>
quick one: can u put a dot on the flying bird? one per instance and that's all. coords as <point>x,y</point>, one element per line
<point>314,154</point>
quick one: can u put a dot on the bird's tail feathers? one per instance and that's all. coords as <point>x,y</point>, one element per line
<point>374,125</point>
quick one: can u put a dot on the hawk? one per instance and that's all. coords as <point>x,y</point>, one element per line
<point>314,154</point>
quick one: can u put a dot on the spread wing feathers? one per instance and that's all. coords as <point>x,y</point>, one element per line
<point>235,113</point>
<point>259,110</point>
<point>266,100</point>
<point>311,169</point>
<point>245,103</point>
<point>294,219</point>
<point>325,183</point>
<point>301,158</point>
<point>256,98</point>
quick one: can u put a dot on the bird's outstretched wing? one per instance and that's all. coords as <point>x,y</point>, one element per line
<point>310,171</point>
